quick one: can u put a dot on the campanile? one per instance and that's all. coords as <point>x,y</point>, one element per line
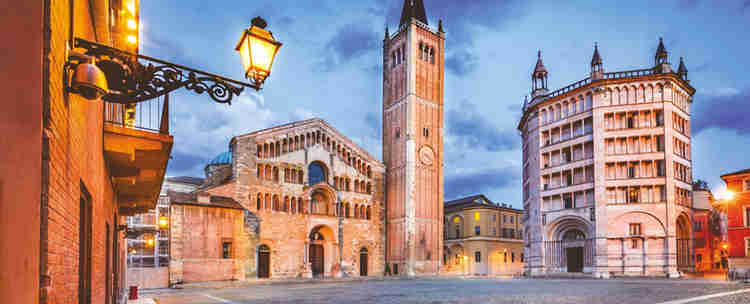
<point>413,74</point>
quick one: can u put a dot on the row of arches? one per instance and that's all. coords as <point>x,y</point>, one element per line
<point>299,142</point>
<point>272,173</point>
<point>319,203</point>
<point>565,108</point>
<point>345,184</point>
<point>273,202</point>
<point>397,56</point>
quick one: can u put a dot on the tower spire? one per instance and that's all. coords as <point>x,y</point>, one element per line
<point>682,69</point>
<point>597,69</point>
<point>539,77</point>
<point>413,9</point>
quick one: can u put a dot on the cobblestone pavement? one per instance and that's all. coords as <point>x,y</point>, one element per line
<point>456,290</point>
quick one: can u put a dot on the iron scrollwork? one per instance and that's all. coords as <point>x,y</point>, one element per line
<point>130,81</point>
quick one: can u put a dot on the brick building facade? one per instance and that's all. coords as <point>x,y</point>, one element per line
<point>607,172</point>
<point>482,238</point>
<point>75,167</point>
<point>738,222</point>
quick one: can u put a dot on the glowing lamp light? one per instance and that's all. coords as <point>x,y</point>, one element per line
<point>724,246</point>
<point>258,49</point>
<point>163,222</point>
<point>132,24</point>
<point>132,39</point>
<point>724,194</point>
<point>150,242</point>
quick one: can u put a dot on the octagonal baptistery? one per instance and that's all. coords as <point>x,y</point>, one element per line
<point>317,198</point>
<point>607,172</point>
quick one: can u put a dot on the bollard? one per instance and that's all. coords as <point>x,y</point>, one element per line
<point>133,292</point>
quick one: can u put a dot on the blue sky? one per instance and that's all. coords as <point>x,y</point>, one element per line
<point>330,67</point>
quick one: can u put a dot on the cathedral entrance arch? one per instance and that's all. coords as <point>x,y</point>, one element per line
<point>320,236</point>
<point>571,249</point>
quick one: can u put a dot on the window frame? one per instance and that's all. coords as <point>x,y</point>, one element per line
<point>633,232</point>
<point>224,253</point>
<point>477,257</point>
<point>747,246</point>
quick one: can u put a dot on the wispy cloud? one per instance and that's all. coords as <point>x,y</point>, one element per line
<point>479,181</point>
<point>470,129</point>
<point>720,108</point>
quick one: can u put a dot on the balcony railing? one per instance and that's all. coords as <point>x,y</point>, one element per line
<point>151,115</point>
<point>629,74</point>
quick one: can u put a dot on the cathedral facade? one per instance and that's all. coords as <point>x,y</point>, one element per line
<point>318,205</point>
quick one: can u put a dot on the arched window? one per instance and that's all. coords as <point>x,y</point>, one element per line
<point>319,203</point>
<point>259,203</point>
<point>368,212</point>
<point>260,171</point>
<point>276,203</point>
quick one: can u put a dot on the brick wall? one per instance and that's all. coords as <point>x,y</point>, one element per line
<point>73,126</point>
<point>148,277</point>
<point>197,233</point>
<point>21,166</point>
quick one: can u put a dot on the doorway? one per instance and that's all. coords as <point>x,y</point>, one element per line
<point>575,259</point>
<point>264,262</point>
<point>363,262</point>
<point>316,259</point>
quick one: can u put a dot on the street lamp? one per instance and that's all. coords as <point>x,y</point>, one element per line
<point>163,222</point>
<point>118,76</point>
<point>257,49</point>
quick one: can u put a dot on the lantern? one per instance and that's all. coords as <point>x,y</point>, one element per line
<point>163,222</point>
<point>150,242</point>
<point>258,49</point>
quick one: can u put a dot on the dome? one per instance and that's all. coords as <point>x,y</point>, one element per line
<point>223,158</point>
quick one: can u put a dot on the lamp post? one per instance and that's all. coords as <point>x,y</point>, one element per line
<point>118,76</point>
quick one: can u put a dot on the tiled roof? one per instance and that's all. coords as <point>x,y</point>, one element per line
<point>186,180</point>
<point>746,171</point>
<point>181,198</point>
<point>478,200</point>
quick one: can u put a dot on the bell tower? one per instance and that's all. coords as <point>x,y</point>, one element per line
<point>413,79</point>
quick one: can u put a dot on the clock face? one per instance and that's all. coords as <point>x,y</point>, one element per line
<point>426,155</point>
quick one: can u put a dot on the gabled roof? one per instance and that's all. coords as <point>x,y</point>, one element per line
<point>186,180</point>
<point>312,123</point>
<point>181,198</point>
<point>413,9</point>
<point>478,200</point>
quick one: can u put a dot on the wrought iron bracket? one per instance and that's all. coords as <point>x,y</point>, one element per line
<point>134,78</point>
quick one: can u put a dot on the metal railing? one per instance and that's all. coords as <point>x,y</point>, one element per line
<point>151,115</point>
<point>629,74</point>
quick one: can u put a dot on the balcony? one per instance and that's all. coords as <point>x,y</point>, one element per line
<point>137,146</point>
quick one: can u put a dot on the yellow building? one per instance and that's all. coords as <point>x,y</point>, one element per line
<point>482,237</point>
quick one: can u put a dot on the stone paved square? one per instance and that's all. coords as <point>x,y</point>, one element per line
<point>458,290</point>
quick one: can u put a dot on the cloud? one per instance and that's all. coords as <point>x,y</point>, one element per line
<point>475,182</point>
<point>462,62</point>
<point>348,43</point>
<point>469,129</point>
<point>719,109</point>
<point>203,129</point>
<point>460,19</point>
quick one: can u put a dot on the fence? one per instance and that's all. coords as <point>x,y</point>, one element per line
<point>151,115</point>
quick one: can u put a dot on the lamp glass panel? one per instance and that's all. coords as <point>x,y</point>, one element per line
<point>262,53</point>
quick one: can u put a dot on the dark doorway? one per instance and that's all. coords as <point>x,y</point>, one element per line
<point>316,259</point>
<point>84,248</point>
<point>575,259</point>
<point>264,262</point>
<point>363,262</point>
